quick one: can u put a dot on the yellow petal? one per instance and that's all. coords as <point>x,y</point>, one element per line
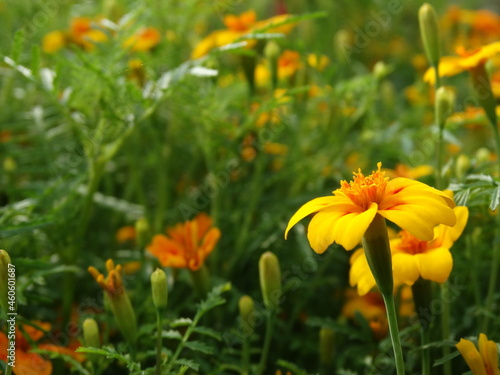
<point>360,273</point>
<point>405,268</point>
<point>435,264</point>
<point>350,228</point>
<point>315,205</point>
<point>489,353</point>
<point>471,356</point>
<point>444,235</point>
<point>419,215</point>
<point>321,230</point>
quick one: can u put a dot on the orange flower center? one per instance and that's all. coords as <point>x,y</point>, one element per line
<point>364,190</point>
<point>411,244</point>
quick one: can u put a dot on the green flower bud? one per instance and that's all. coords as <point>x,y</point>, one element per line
<point>270,280</point>
<point>142,231</point>
<point>462,166</point>
<point>246,307</point>
<point>445,100</point>
<point>326,345</point>
<point>272,50</point>
<point>4,276</point>
<point>159,289</point>
<point>429,31</point>
<point>483,156</point>
<point>91,333</point>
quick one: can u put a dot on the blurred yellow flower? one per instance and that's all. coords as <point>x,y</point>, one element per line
<point>187,245</point>
<point>273,148</point>
<point>143,40</point>
<point>236,27</point>
<point>53,41</point>
<point>318,62</point>
<point>415,173</point>
<point>288,64</point>
<point>483,361</point>
<point>467,60</point>
<point>344,217</point>
<point>413,258</point>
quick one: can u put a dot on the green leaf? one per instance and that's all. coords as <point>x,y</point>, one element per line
<point>338,327</point>
<point>171,334</point>
<point>17,45</point>
<point>181,322</point>
<point>65,357</point>
<point>25,227</point>
<point>446,358</point>
<point>110,352</point>
<point>189,363</point>
<point>208,332</point>
<point>291,366</point>
<point>462,197</point>
<point>199,346</point>
<point>495,198</point>
<point>213,298</point>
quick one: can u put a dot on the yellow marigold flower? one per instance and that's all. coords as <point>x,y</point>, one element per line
<point>288,64</point>
<point>483,361</point>
<point>467,60</point>
<point>237,26</point>
<point>53,41</point>
<point>125,234</point>
<point>273,148</point>
<point>187,244</point>
<point>144,40</point>
<point>344,217</point>
<point>413,258</point>
<point>318,62</point>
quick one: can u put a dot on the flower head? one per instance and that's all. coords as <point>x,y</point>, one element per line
<point>113,283</point>
<point>187,245</point>
<point>466,60</point>
<point>484,361</point>
<point>344,217</point>
<point>144,40</point>
<point>413,258</point>
<point>236,27</point>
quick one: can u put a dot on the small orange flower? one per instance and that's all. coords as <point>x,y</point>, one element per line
<point>125,234</point>
<point>144,40</point>
<point>187,245</point>
<point>113,284</point>
<point>28,363</point>
<point>84,34</point>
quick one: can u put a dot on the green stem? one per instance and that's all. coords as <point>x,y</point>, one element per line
<point>394,332</point>
<point>159,325</point>
<point>426,359</point>
<point>245,356</point>
<point>445,324</point>
<point>271,319</point>
<point>201,281</point>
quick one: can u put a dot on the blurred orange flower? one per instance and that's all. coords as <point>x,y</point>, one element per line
<point>84,33</point>
<point>28,363</point>
<point>187,245</point>
<point>125,234</point>
<point>144,40</point>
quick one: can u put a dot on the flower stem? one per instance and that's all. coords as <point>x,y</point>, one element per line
<point>245,356</point>
<point>445,325</point>
<point>271,318</point>
<point>159,325</point>
<point>426,359</point>
<point>394,332</point>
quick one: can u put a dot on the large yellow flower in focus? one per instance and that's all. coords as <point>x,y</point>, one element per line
<point>467,60</point>
<point>413,258</point>
<point>344,217</point>
<point>484,361</point>
<point>236,27</point>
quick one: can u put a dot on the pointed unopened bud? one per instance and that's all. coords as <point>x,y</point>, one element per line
<point>429,31</point>
<point>142,231</point>
<point>246,306</point>
<point>462,166</point>
<point>445,100</point>
<point>270,280</point>
<point>91,333</point>
<point>159,289</point>
<point>5,271</point>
